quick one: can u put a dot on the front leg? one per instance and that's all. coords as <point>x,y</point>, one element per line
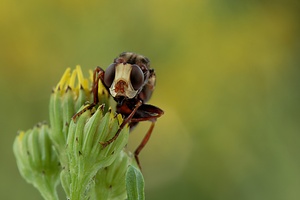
<point>97,75</point>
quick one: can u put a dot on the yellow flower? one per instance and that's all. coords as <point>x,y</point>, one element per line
<point>68,80</point>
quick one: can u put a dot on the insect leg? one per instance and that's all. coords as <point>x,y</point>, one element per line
<point>98,75</point>
<point>126,121</point>
<point>142,144</point>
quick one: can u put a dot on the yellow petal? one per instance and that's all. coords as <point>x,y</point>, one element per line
<point>72,79</point>
<point>82,82</point>
<point>64,80</point>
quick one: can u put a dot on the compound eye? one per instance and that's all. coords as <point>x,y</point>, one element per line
<point>136,77</point>
<point>109,75</point>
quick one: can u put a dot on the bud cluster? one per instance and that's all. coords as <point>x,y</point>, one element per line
<point>70,150</point>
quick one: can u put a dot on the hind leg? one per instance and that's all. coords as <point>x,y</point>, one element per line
<point>143,144</point>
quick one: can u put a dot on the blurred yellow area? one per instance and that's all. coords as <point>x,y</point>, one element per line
<point>227,79</point>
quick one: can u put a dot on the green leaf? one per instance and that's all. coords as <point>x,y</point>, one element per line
<point>135,184</point>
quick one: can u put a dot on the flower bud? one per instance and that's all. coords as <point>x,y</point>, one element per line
<point>37,161</point>
<point>85,154</point>
<point>67,97</point>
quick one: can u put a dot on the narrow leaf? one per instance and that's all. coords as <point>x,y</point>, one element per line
<point>135,184</point>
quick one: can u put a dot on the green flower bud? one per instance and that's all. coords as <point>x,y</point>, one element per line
<point>78,142</point>
<point>37,161</point>
<point>85,153</point>
<point>65,100</point>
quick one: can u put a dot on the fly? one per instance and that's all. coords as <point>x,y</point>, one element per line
<point>131,82</point>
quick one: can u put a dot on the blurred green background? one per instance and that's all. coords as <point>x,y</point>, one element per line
<point>227,78</point>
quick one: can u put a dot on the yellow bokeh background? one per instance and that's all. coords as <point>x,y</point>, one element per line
<point>227,79</point>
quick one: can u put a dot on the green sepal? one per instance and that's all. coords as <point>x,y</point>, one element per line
<point>56,120</point>
<point>110,180</point>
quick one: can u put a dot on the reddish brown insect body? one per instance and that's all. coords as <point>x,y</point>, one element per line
<point>130,81</point>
